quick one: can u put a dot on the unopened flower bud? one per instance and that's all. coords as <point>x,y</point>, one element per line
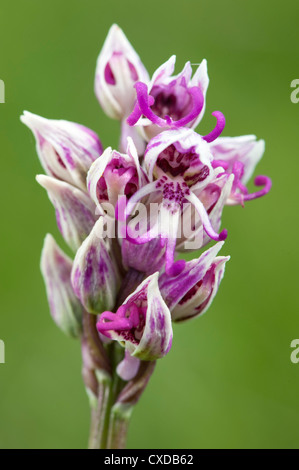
<point>66,149</point>
<point>75,211</point>
<point>94,276</point>
<point>56,268</point>
<point>118,68</point>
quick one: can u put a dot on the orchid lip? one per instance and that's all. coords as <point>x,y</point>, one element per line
<point>117,321</point>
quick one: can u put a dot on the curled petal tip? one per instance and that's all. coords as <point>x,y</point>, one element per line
<point>260,180</point>
<point>223,235</point>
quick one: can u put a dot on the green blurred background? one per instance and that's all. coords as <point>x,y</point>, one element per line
<point>228,381</point>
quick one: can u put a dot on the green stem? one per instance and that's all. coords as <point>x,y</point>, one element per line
<point>115,398</point>
<point>108,391</point>
<point>100,416</point>
<point>119,424</point>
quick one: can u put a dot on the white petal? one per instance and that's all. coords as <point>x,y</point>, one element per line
<point>201,79</point>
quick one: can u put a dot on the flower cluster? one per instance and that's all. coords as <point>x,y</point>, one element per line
<point>163,177</point>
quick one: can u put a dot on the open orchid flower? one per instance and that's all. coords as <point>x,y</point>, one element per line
<point>118,68</point>
<point>113,175</point>
<point>142,324</point>
<point>65,308</point>
<point>239,156</point>
<point>177,163</point>
<point>170,101</point>
<point>66,149</point>
<point>94,274</point>
<point>75,211</point>
<point>190,293</point>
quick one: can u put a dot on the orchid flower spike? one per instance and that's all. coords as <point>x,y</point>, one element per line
<point>126,213</point>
